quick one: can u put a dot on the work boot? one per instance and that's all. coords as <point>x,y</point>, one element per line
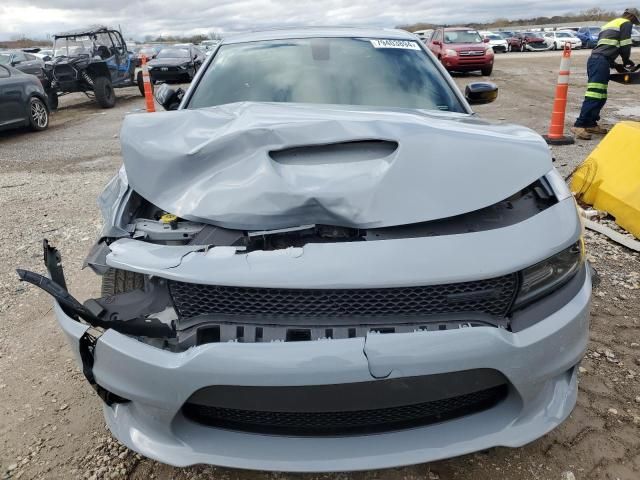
<point>581,133</point>
<point>597,130</point>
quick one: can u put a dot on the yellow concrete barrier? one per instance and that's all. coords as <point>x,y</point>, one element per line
<point>609,179</point>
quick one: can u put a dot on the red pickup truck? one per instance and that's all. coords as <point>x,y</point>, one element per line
<point>462,49</point>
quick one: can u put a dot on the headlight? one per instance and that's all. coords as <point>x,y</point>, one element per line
<point>450,53</point>
<point>548,275</point>
<point>489,51</point>
<point>184,67</point>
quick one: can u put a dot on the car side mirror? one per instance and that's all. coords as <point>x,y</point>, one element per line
<point>437,42</point>
<point>46,58</point>
<point>485,40</point>
<point>478,93</point>
<point>168,97</point>
<point>15,62</point>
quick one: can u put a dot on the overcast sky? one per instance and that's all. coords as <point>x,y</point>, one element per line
<point>37,18</point>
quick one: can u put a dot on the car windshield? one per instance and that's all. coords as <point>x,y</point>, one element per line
<point>494,37</point>
<point>563,35</point>
<point>5,58</point>
<point>462,36</point>
<point>72,46</point>
<point>595,30</point>
<point>344,71</point>
<point>173,53</point>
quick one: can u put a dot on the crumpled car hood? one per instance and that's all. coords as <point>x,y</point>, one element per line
<point>258,166</point>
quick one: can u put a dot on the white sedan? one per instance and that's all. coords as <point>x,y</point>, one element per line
<point>497,42</point>
<point>557,40</point>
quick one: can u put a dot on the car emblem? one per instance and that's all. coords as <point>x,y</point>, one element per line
<point>164,69</point>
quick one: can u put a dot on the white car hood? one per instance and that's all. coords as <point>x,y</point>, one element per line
<point>356,167</point>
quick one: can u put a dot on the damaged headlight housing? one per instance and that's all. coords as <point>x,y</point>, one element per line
<point>548,275</point>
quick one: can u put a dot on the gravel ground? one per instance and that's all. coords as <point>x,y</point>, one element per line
<point>51,422</point>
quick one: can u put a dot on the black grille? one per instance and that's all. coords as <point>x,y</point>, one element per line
<point>346,422</point>
<point>491,296</point>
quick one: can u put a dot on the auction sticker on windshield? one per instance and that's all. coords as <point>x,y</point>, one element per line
<point>406,44</point>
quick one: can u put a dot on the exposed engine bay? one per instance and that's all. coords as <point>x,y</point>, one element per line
<point>178,315</point>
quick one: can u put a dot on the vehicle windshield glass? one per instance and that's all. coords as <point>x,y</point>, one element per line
<point>342,71</point>
<point>72,46</point>
<point>494,37</point>
<point>563,35</point>
<point>462,36</point>
<point>5,58</point>
<point>595,30</point>
<point>173,53</point>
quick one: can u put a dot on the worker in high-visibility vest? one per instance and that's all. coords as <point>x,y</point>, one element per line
<point>614,40</point>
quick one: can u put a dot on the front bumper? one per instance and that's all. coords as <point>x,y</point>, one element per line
<point>539,363</point>
<point>467,64</point>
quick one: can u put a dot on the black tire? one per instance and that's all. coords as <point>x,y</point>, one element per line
<point>38,114</point>
<point>120,281</point>
<point>52,100</point>
<point>103,90</point>
<point>486,71</point>
<point>555,46</point>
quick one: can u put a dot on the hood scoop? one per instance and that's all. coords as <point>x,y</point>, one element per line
<point>265,166</point>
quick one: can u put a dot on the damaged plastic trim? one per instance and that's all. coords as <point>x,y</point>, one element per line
<point>95,313</point>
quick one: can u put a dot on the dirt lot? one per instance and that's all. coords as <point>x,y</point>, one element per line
<point>51,422</point>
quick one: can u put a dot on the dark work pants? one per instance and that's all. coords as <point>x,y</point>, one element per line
<point>596,95</point>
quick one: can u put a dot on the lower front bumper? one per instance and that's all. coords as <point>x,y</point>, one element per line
<point>539,363</point>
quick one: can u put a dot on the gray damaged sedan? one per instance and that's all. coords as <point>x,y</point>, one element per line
<point>322,260</point>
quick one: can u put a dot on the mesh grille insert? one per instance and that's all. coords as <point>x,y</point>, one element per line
<point>346,422</point>
<point>491,296</point>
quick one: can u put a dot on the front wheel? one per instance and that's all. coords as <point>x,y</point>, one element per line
<point>103,90</point>
<point>38,115</point>
<point>116,281</point>
<point>486,71</point>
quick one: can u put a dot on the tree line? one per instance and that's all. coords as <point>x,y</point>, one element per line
<point>592,14</point>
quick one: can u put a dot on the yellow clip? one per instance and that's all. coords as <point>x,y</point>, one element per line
<point>168,218</point>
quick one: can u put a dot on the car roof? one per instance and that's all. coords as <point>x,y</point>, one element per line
<point>318,32</point>
<point>84,31</point>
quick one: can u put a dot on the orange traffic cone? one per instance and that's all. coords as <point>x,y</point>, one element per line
<point>148,95</point>
<point>556,134</point>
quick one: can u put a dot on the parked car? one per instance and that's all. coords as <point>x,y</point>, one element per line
<point>635,36</point>
<point>91,60</point>
<point>209,45</point>
<point>557,40</point>
<point>498,44</point>
<point>424,35</point>
<point>462,49</point>
<point>23,101</point>
<point>589,36</point>
<point>514,42</point>
<point>533,41</point>
<point>175,64</point>
<point>291,265</point>
<point>27,63</point>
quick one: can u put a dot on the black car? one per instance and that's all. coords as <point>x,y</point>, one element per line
<point>23,101</point>
<point>179,64</point>
<point>93,60</point>
<point>25,62</point>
